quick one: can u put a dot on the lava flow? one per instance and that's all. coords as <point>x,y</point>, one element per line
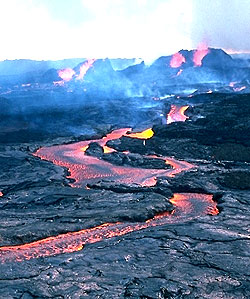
<point>186,206</point>
<point>176,114</point>
<point>85,169</point>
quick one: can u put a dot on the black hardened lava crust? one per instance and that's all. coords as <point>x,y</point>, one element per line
<point>207,257</point>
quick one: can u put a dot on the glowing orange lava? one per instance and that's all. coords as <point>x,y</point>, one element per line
<point>176,114</point>
<point>84,68</point>
<point>177,60</point>
<point>146,134</point>
<point>86,169</point>
<point>187,206</point>
<point>66,74</point>
<point>200,53</point>
<point>206,204</point>
<point>108,150</point>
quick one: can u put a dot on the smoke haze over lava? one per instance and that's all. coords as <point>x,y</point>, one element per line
<point>108,28</point>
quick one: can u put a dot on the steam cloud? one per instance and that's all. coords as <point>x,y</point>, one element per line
<point>222,24</point>
<point>45,29</point>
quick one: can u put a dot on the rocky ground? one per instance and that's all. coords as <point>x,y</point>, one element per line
<point>207,257</point>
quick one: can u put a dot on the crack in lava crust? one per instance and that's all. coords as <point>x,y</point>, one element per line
<point>187,206</point>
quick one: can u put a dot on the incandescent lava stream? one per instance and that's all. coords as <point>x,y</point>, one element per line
<point>85,169</point>
<point>187,206</point>
<point>176,114</point>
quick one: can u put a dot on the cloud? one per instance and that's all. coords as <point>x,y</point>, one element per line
<point>222,23</point>
<point>109,28</point>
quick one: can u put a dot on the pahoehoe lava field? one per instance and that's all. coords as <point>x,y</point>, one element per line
<point>139,196</point>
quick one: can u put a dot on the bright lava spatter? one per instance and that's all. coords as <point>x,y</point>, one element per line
<point>187,206</point>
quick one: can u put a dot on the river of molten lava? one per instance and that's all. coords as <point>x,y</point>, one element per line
<point>85,169</point>
<point>186,206</point>
<point>176,113</point>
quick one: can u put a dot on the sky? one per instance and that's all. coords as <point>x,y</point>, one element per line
<point>58,29</point>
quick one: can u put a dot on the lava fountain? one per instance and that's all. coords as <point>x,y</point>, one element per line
<point>66,74</point>
<point>177,60</point>
<point>200,53</point>
<point>84,68</point>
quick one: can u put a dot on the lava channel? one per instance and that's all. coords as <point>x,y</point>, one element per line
<point>176,113</point>
<point>86,169</point>
<point>187,206</point>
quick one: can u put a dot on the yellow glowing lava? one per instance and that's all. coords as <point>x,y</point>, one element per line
<point>84,148</point>
<point>108,150</point>
<point>146,134</point>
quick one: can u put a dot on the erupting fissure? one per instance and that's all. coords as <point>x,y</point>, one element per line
<point>68,74</point>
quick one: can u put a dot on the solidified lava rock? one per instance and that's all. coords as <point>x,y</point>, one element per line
<point>95,150</point>
<point>236,180</point>
<point>126,159</point>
